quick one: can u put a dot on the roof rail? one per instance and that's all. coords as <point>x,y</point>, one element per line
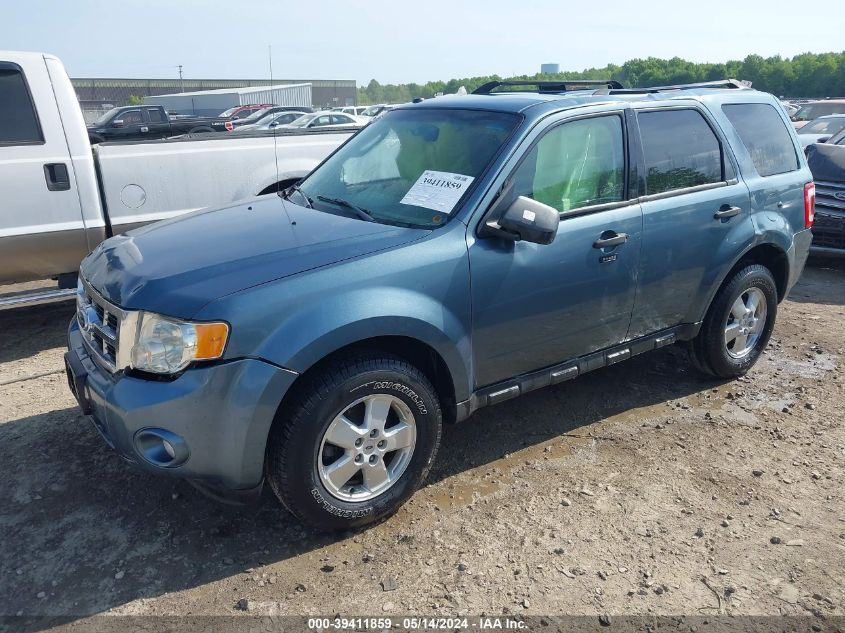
<point>725,83</point>
<point>566,85</point>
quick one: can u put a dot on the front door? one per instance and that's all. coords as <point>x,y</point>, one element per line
<point>537,305</point>
<point>42,231</point>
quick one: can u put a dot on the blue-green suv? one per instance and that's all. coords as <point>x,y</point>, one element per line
<point>452,254</point>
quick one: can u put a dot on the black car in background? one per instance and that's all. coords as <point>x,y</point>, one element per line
<point>827,162</point>
<point>133,123</point>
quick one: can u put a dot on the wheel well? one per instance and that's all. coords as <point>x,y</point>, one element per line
<point>419,354</point>
<point>772,258</point>
<point>278,186</point>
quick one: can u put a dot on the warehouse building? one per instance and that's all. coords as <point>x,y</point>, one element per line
<point>100,94</point>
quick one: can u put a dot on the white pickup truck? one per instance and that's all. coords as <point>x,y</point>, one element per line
<point>60,197</point>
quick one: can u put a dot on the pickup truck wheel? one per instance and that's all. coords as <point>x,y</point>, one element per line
<point>738,324</point>
<point>355,444</point>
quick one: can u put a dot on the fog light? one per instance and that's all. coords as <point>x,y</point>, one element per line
<point>161,448</point>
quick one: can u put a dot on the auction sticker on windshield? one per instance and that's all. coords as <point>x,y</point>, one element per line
<point>437,190</point>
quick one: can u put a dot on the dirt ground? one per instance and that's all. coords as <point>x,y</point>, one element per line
<point>637,489</point>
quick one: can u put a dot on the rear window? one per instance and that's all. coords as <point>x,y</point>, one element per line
<point>764,135</point>
<point>680,150</point>
<point>18,120</point>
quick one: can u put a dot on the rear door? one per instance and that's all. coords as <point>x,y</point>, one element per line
<point>537,305</point>
<point>41,228</point>
<point>157,123</point>
<point>696,215</point>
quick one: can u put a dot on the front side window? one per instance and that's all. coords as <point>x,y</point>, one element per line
<point>396,167</point>
<point>680,150</point>
<point>575,165</point>
<point>765,136</point>
<point>825,125</point>
<point>18,120</point>
<point>132,117</point>
<point>815,110</point>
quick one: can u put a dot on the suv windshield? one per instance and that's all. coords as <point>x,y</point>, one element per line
<point>411,167</point>
<point>815,110</point>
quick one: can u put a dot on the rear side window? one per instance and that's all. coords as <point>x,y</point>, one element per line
<point>155,115</point>
<point>18,120</point>
<point>680,150</point>
<point>764,135</point>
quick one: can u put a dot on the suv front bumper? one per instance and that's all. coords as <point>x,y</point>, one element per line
<point>221,415</point>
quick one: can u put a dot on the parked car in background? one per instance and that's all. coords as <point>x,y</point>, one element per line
<point>821,129</point>
<point>790,108</point>
<point>243,111</point>
<point>375,110</point>
<point>816,109</point>
<point>262,115</point>
<point>451,255</point>
<point>827,162</point>
<point>131,123</point>
<point>270,122</point>
<point>62,196</point>
<point>353,110</point>
<point>327,120</point>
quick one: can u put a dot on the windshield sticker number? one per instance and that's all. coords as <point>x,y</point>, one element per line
<point>437,190</point>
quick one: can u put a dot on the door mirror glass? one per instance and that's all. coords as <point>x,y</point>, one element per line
<point>530,220</point>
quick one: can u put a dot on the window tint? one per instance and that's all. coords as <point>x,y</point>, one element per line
<point>575,165</point>
<point>18,120</point>
<point>764,135</point>
<point>680,150</point>
<point>155,115</point>
<point>131,117</point>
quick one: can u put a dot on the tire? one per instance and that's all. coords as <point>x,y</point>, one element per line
<point>747,304</point>
<point>303,464</point>
<point>200,130</point>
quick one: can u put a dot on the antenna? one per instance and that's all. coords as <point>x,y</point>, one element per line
<point>275,149</point>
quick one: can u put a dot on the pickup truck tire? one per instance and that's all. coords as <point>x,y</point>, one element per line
<point>200,130</point>
<point>738,324</point>
<point>355,443</point>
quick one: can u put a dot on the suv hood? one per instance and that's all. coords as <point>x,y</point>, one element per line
<point>177,266</point>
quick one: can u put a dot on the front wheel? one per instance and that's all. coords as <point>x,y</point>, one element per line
<point>738,324</point>
<point>355,443</point>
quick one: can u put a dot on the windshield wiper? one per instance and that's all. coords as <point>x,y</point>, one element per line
<point>286,193</point>
<point>359,211</point>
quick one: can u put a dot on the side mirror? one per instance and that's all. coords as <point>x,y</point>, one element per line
<point>823,139</point>
<point>117,123</point>
<point>529,220</point>
<point>274,124</point>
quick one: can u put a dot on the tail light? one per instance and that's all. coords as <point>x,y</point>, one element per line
<point>809,204</point>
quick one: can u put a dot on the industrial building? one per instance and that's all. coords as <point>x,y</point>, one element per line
<point>102,94</point>
<point>213,102</point>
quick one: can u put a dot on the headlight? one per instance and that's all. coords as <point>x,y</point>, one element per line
<point>167,346</point>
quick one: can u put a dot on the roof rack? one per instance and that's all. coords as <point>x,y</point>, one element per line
<point>725,83</point>
<point>566,85</point>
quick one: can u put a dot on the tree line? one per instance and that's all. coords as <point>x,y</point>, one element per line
<point>808,75</point>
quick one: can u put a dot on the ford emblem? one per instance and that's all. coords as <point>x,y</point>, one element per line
<point>840,195</point>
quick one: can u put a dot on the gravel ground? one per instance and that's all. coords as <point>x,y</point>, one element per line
<point>638,489</point>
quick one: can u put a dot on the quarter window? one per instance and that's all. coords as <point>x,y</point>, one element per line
<point>680,150</point>
<point>18,120</point>
<point>764,134</point>
<point>575,165</point>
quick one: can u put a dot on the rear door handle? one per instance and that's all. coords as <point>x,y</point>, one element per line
<point>613,239</point>
<point>57,176</point>
<point>726,211</point>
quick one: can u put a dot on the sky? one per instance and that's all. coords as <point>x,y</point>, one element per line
<point>400,41</point>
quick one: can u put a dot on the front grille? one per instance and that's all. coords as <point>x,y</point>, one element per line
<point>829,222</point>
<point>99,323</point>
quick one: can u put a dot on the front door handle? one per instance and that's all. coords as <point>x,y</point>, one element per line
<point>57,177</point>
<point>726,211</point>
<point>144,128</point>
<point>612,239</point>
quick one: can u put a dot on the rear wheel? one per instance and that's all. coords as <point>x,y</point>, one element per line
<point>738,324</point>
<point>356,442</point>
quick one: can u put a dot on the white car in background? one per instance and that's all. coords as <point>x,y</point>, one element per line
<point>353,110</point>
<point>821,129</point>
<point>271,122</point>
<point>326,120</point>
